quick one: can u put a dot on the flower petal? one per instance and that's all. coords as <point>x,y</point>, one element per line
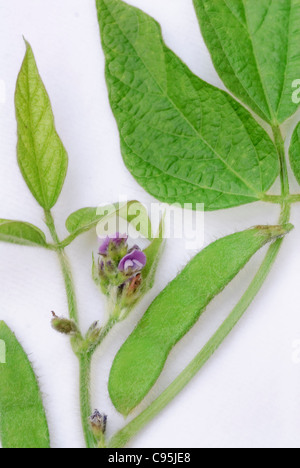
<point>133,261</point>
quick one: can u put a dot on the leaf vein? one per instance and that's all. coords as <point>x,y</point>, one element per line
<point>184,117</point>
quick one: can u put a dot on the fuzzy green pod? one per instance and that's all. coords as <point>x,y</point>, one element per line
<point>23,421</point>
<point>142,357</point>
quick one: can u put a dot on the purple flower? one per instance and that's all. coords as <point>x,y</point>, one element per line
<point>116,239</point>
<point>133,262</point>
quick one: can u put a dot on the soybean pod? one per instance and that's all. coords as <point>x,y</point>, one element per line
<point>176,309</point>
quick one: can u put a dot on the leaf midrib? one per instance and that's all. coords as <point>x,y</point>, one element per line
<point>180,112</point>
<point>180,159</point>
<point>188,137</point>
<point>47,198</point>
<point>229,61</point>
<point>31,125</point>
<point>273,113</point>
<point>287,56</point>
<point>36,230</point>
<point>273,117</point>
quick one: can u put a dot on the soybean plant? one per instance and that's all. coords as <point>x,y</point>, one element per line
<point>184,141</point>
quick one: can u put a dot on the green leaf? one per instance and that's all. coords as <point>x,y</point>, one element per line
<point>23,421</point>
<point>183,140</point>
<point>176,309</point>
<point>254,46</point>
<point>41,155</point>
<point>295,153</point>
<point>18,232</point>
<point>133,212</point>
<point>82,220</point>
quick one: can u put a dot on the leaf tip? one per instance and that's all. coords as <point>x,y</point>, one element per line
<point>27,44</point>
<point>288,227</point>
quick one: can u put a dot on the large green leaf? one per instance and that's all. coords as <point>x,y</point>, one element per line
<point>41,155</point>
<point>254,45</point>
<point>182,139</point>
<point>23,421</point>
<point>295,152</point>
<point>18,232</point>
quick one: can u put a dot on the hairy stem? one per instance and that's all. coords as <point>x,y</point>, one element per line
<point>85,399</point>
<point>294,198</point>
<point>84,359</point>
<point>68,240</point>
<point>65,268</point>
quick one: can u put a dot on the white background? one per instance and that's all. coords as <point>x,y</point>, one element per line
<point>248,394</point>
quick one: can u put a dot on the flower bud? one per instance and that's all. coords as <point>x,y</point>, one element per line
<point>111,252</point>
<point>98,423</point>
<point>120,273</point>
<point>93,333</point>
<point>114,246</point>
<point>64,326</point>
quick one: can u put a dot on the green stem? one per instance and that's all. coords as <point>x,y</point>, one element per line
<point>68,240</point>
<point>279,199</point>
<point>294,198</point>
<point>85,399</point>
<point>84,359</point>
<point>65,268</point>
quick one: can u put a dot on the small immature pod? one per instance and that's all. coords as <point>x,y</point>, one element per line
<point>141,359</point>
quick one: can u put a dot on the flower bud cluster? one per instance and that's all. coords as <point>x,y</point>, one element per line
<point>120,272</point>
